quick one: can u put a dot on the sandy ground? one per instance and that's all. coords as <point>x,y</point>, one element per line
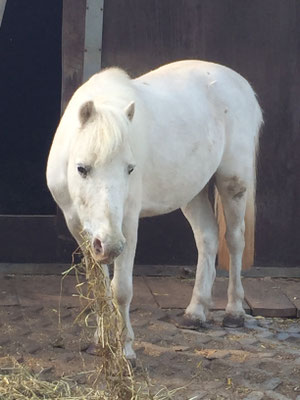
<point>258,361</point>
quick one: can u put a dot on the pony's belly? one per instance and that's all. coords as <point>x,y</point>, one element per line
<point>169,195</point>
<point>180,170</point>
<point>154,209</point>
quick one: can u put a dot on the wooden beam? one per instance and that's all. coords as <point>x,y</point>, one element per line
<point>93,38</point>
<point>2,9</point>
<point>73,31</point>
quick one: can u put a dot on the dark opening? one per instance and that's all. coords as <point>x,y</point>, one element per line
<point>30,71</point>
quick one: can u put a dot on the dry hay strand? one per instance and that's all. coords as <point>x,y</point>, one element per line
<point>115,374</point>
<point>114,379</point>
<point>17,383</point>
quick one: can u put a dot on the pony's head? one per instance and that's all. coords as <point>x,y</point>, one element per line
<point>99,174</point>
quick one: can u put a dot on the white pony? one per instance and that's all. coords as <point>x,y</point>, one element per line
<point>126,149</point>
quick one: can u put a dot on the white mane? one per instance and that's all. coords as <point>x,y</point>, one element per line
<point>110,91</point>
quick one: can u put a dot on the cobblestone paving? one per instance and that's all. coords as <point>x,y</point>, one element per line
<point>259,361</point>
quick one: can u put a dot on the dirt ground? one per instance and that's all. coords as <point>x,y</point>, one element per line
<point>259,361</point>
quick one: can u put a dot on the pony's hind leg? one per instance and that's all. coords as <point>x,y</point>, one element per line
<point>200,215</point>
<point>233,192</point>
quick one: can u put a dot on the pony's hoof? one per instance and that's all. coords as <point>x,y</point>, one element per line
<point>186,322</point>
<point>231,321</point>
<point>132,362</point>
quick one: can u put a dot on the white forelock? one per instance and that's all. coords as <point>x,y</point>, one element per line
<point>110,91</point>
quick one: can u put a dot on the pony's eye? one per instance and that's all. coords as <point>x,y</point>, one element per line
<point>82,170</point>
<point>130,168</point>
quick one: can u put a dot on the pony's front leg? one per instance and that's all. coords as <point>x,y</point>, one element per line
<point>122,282</point>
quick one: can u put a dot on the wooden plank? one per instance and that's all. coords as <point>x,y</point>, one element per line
<point>275,272</point>
<point>182,271</point>
<point>142,295</point>
<point>267,299</point>
<point>291,288</point>
<point>56,268</point>
<point>46,291</point>
<point>176,293</point>
<point>33,268</point>
<point>219,294</point>
<point>170,293</point>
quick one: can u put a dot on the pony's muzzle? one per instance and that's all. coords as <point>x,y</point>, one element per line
<point>107,253</point>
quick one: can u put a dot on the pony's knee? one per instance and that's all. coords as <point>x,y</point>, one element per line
<point>122,293</point>
<point>207,240</point>
<point>211,242</point>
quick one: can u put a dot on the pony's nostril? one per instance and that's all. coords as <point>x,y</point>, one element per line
<point>97,246</point>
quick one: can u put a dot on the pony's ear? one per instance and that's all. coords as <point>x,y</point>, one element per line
<point>129,110</point>
<point>87,112</point>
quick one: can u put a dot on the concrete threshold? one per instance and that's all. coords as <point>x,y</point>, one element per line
<point>148,270</point>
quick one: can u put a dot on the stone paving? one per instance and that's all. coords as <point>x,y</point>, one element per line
<point>258,361</point>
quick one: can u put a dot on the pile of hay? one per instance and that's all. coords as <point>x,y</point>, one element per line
<point>17,383</point>
<point>114,379</point>
<point>115,374</point>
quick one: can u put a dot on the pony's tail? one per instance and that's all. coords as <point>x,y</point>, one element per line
<point>250,216</point>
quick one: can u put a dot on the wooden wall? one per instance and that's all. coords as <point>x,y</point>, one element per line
<point>261,40</point>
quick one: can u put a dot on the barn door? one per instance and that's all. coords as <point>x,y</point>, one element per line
<point>50,48</point>
<point>81,50</point>
<point>30,74</point>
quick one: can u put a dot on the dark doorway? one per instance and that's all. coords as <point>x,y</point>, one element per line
<point>30,71</point>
